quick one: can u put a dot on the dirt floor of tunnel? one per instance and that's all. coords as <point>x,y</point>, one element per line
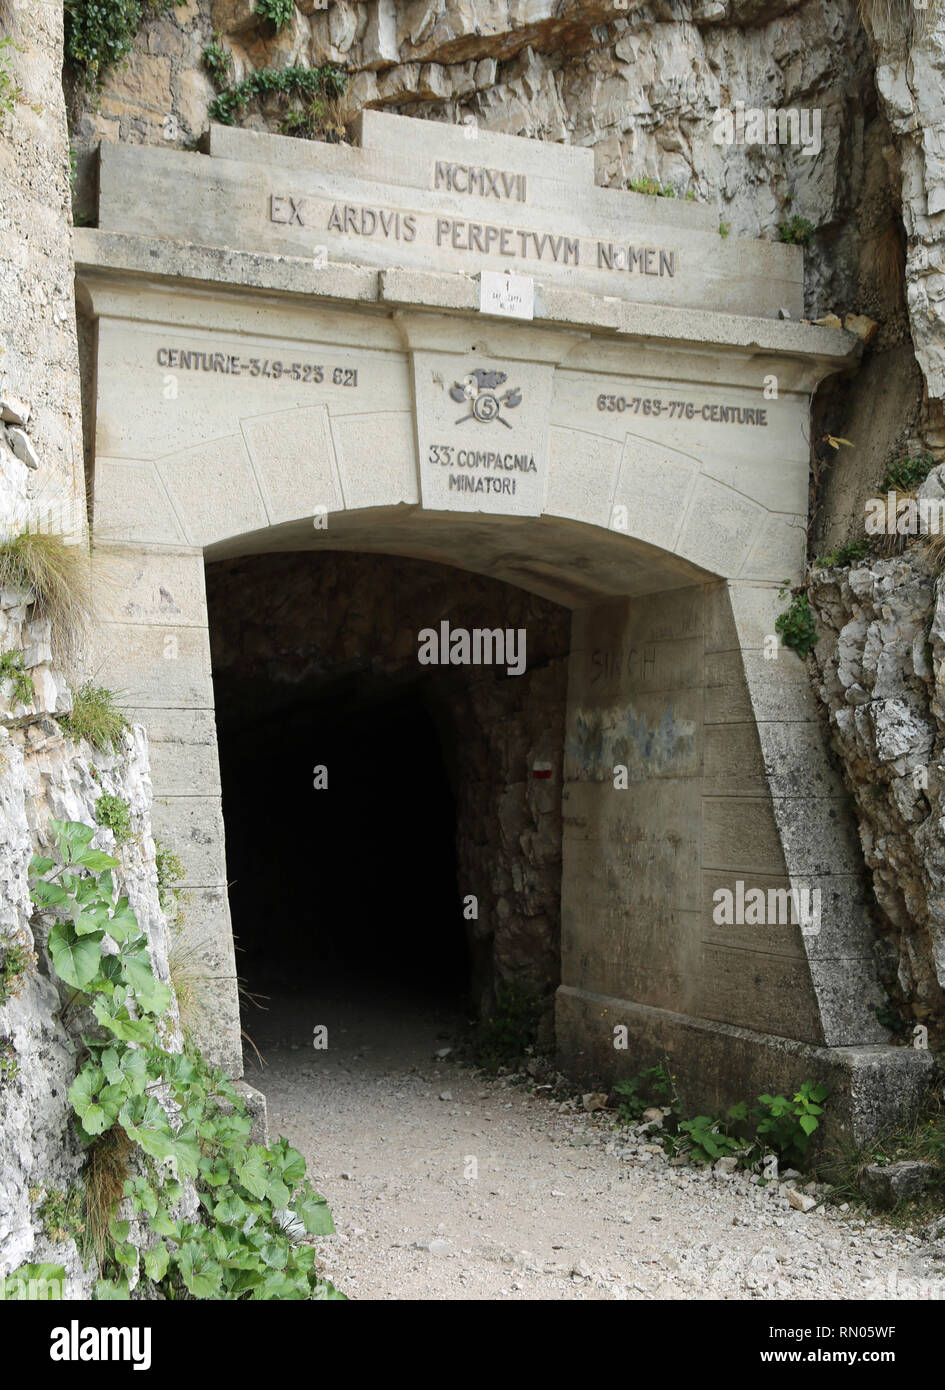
<point>563,1207</point>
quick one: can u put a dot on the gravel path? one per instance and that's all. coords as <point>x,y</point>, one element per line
<point>446,1186</point>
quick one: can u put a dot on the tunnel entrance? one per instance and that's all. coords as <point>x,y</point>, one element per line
<point>392,827</point>
<point>365,798</point>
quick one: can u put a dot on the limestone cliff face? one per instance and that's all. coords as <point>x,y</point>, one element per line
<point>879,670</point>
<point>45,775</point>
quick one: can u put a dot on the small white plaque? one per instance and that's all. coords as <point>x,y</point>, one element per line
<point>513,296</point>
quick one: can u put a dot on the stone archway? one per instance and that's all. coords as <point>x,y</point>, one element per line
<point>639,457</point>
<point>432,826</point>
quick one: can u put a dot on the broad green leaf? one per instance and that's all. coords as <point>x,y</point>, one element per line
<point>95,919</point>
<point>253,1174</point>
<point>187,1152</point>
<point>123,923</point>
<point>144,1196</point>
<point>289,1161</point>
<point>72,836</point>
<point>147,1124</point>
<point>75,958</point>
<point>120,1022</point>
<point>214,1173</point>
<point>808,1124</point>
<point>95,859</point>
<point>111,974</point>
<point>312,1211</point>
<point>327,1291</point>
<point>149,993</point>
<point>231,1210</point>
<point>48,894</point>
<point>173,1191</point>
<point>39,865</point>
<point>112,1289</point>
<point>275,1253</point>
<point>162,1225</point>
<point>202,1276</point>
<point>95,1121</point>
<point>278,1193</point>
<point>86,892</point>
<point>278,1288</point>
<point>34,1283</point>
<point>85,1088</point>
<point>134,1071</point>
<point>155,1262</point>
<point>96,1104</point>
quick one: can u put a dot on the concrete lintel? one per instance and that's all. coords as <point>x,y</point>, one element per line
<point>873,1088</point>
<point>157,259</point>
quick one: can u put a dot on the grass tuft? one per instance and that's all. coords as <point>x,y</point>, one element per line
<point>94,717</point>
<point>58,576</point>
<point>12,669</point>
<point>105,1176</point>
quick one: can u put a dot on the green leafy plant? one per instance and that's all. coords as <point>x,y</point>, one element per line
<point>11,668</point>
<point>10,90</point>
<point>100,33</point>
<point>787,1125</point>
<point>16,960</point>
<point>58,576</point>
<point>653,1086</point>
<point>278,12</point>
<point>652,187</point>
<point>170,871</point>
<point>314,88</point>
<point>114,813</point>
<point>216,59</point>
<point>9,1062</point>
<point>724,229</point>
<point>510,1031</point>
<point>775,1124</point>
<point>62,1213</point>
<point>172,1111</point>
<point>33,1283</point>
<point>907,473</point>
<point>844,554</point>
<point>94,717</point>
<point>796,626</point>
<point>797,231</point>
<point>315,121</point>
<point>709,1137</point>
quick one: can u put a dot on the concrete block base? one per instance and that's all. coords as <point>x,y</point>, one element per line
<point>873,1088</point>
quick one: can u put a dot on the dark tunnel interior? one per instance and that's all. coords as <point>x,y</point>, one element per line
<point>346,885</point>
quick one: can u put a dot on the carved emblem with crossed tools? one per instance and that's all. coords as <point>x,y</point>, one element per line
<point>485,405</point>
